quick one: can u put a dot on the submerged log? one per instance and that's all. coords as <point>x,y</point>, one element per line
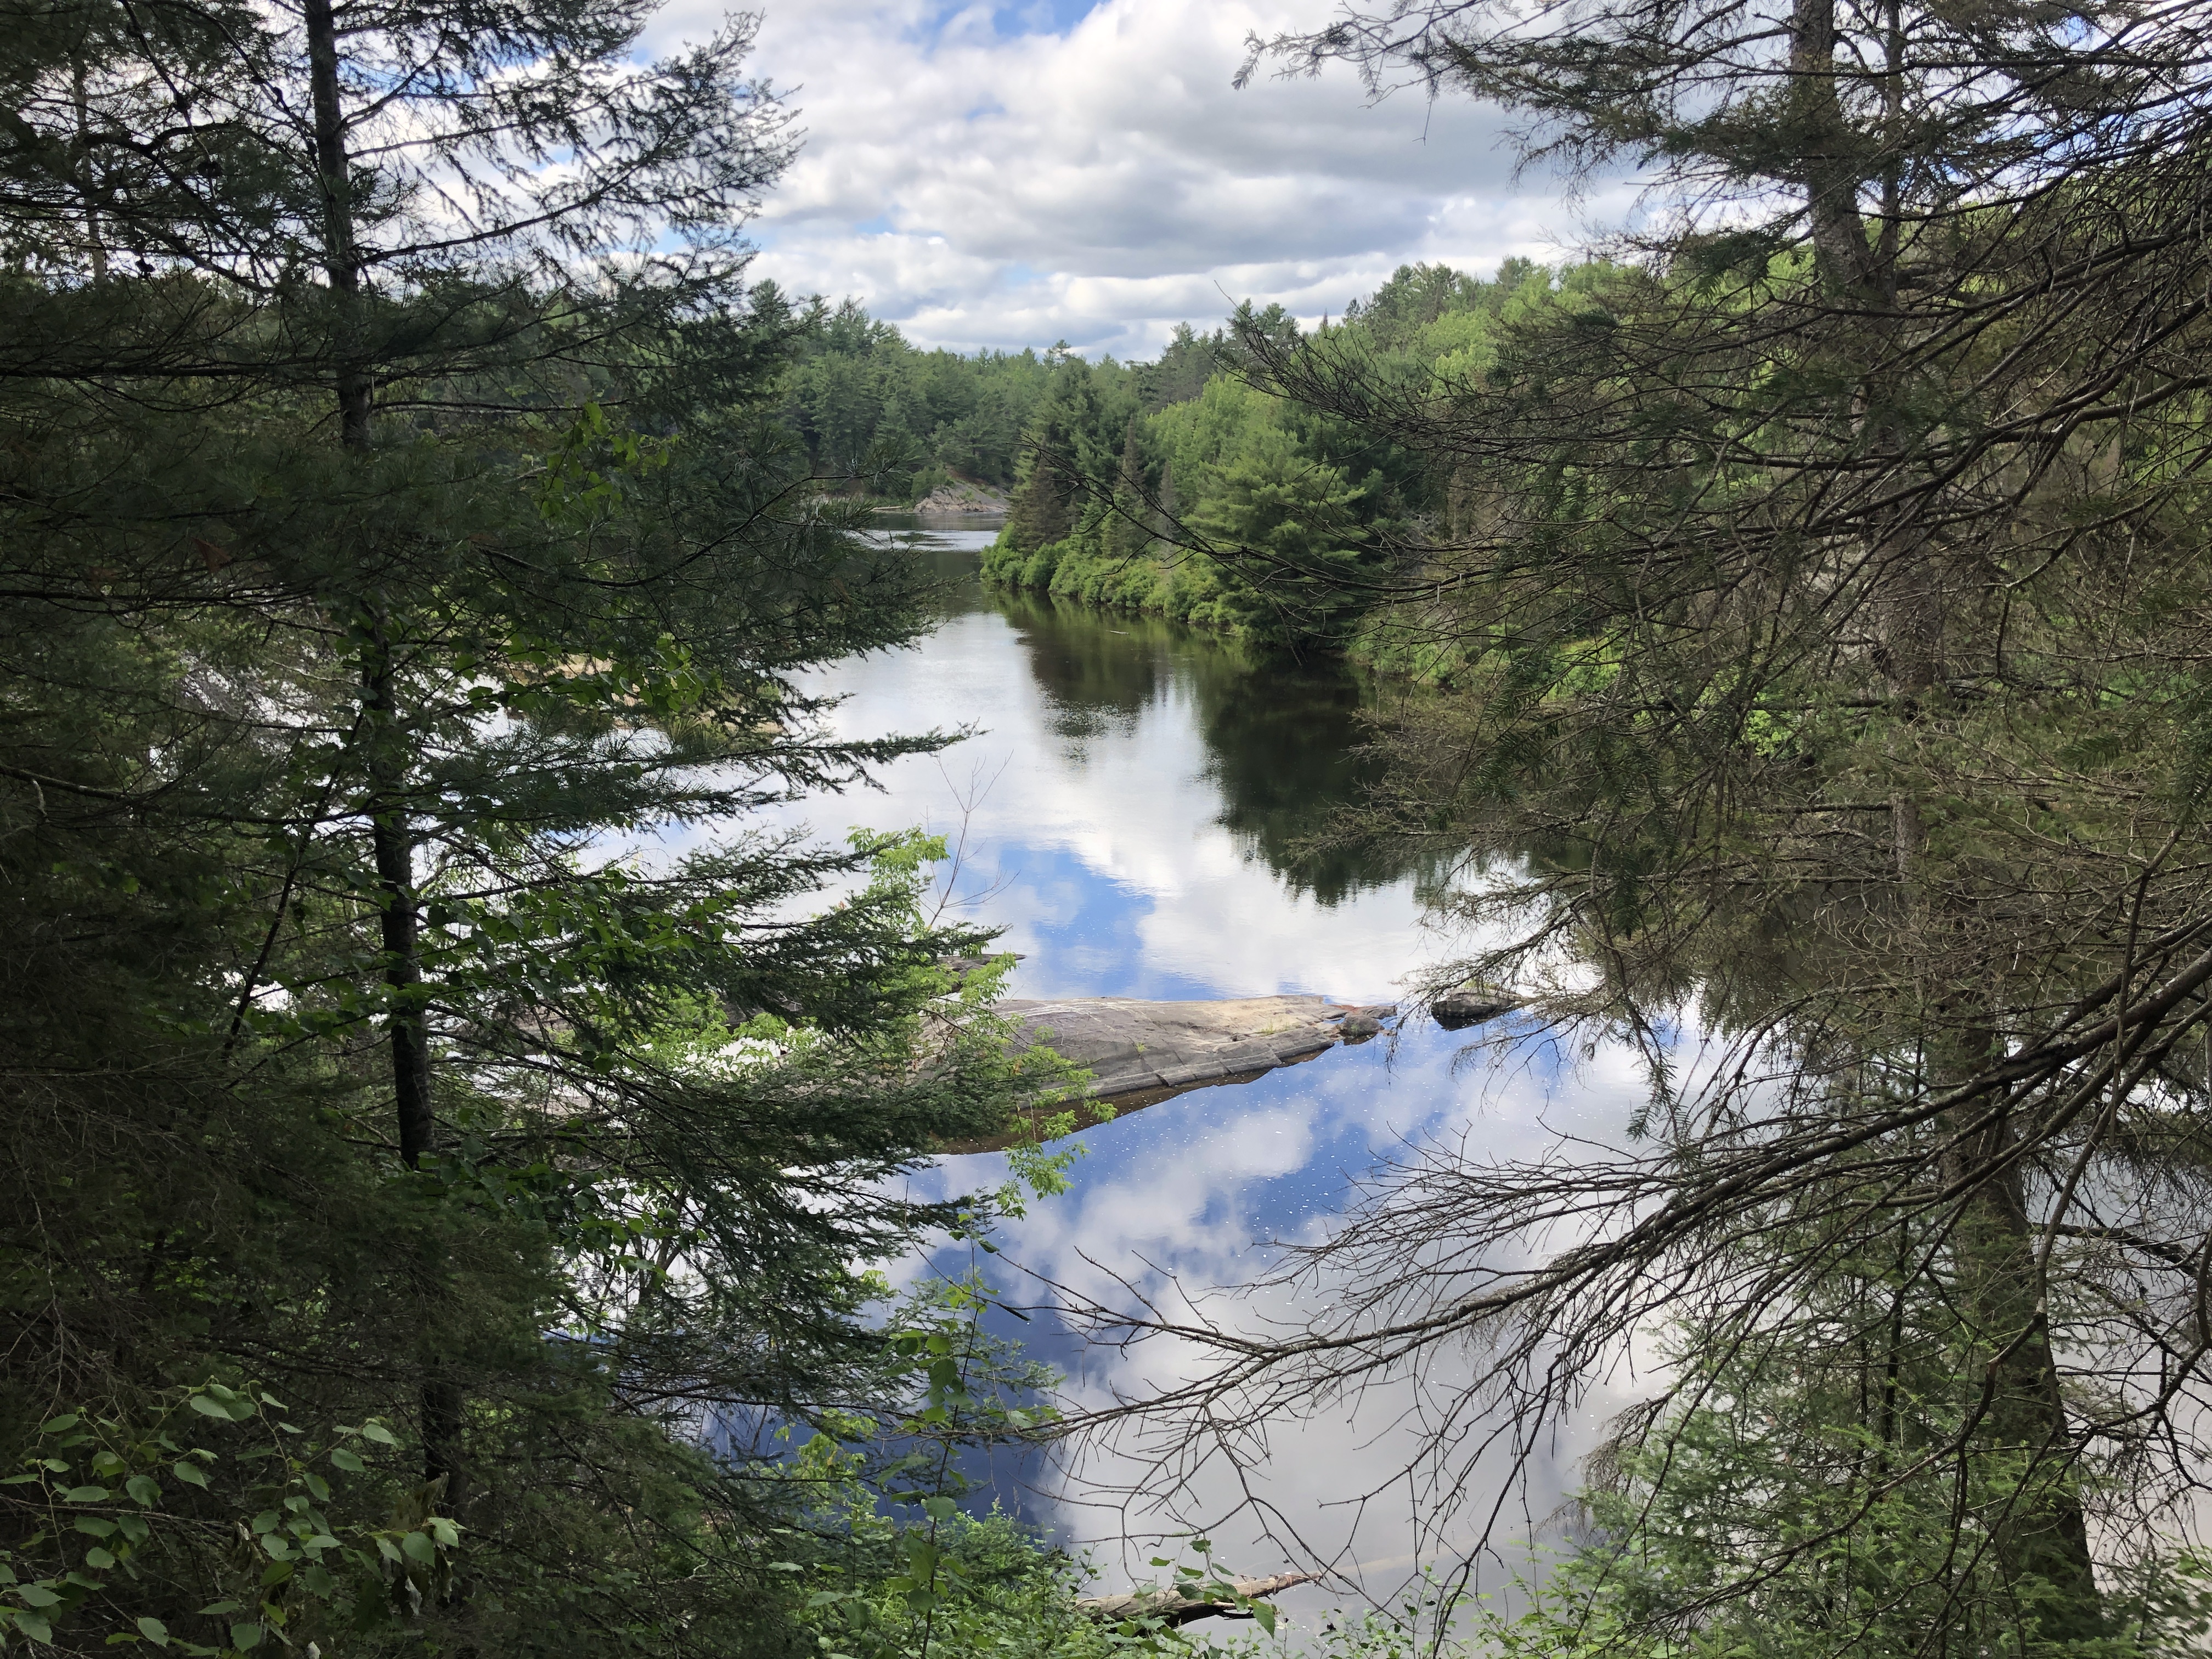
<point>1175,1607</point>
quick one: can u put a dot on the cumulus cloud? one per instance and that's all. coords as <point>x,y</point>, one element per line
<point>1008,177</point>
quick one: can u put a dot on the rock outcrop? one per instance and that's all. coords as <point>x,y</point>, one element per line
<point>1131,1047</point>
<point>1140,1053</point>
<point>1469,1005</point>
<point>962,497</point>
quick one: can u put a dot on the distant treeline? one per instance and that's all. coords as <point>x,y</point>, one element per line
<point>1123,474</point>
<point>1120,499</point>
<point>898,422</point>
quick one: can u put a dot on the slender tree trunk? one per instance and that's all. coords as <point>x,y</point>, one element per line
<point>85,170</point>
<point>394,849</point>
<point>341,256</point>
<point>390,832</point>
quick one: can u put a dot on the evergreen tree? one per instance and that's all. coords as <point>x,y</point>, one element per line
<point>398,531</point>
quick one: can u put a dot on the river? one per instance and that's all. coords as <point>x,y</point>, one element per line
<point>1128,804</point>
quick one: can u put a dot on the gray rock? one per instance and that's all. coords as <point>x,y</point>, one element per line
<point>1140,1053</point>
<point>1469,1005</point>
<point>962,497</point>
<point>1131,1046</point>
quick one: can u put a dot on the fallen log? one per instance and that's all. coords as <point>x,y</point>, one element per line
<point>1178,1606</point>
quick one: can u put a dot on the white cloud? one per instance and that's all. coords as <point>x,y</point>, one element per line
<point>985,181</point>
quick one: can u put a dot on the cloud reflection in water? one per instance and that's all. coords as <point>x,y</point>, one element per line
<point>1131,798</point>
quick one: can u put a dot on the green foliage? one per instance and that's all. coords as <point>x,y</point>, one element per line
<point>1227,507</point>
<point>106,1537</point>
<point>875,412</point>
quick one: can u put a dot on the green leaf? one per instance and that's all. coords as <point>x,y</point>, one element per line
<point>216,1609</point>
<point>99,1558</point>
<point>189,1473</point>
<point>61,1425</point>
<point>208,1407</point>
<point>38,1596</point>
<point>93,1527</point>
<point>1263,1614</point>
<point>33,1626</point>
<point>419,1546</point>
<point>243,1636</point>
<point>938,1508</point>
<point>86,1495</point>
<point>275,1573</point>
<point>155,1632</point>
<point>343,1459</point>
<point>143,1490</point>
<point>376,1432</point>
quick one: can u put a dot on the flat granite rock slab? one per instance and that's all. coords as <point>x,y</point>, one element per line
<point>1131,1046</point>
<point>1142,1053</point>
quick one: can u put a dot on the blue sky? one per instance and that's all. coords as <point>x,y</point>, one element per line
<point>1011,175</point>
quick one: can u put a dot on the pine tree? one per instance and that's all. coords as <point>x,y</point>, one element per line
<point>397,526</point>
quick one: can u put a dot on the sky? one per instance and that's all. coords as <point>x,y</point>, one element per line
<point>1002,177</point>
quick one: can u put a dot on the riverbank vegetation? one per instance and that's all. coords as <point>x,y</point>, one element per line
<point>886,422</point>
<point>1827,587</point>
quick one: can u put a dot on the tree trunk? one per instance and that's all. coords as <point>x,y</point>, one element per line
<point>341,257</point>
<point>393,845</point>
<point>391,834</point>
<point>2044,1536</point>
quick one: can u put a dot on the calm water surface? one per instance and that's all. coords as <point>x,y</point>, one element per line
<point>1129,802</point>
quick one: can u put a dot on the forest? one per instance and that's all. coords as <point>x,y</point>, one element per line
<point>1134,476</point>
<point>459,1152</point>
